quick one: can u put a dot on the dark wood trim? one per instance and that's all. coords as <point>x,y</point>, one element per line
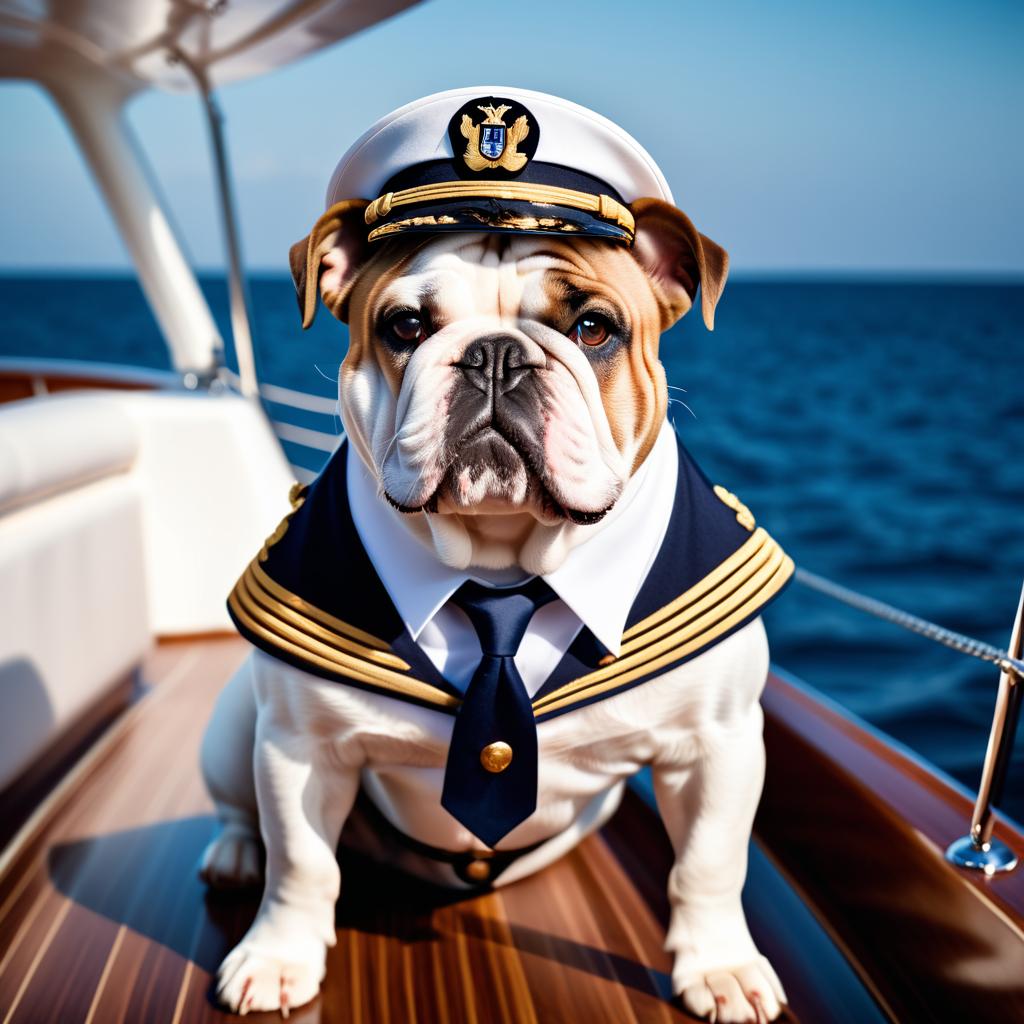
<point>15,386</point>
<point>172,639</point>
<point>20,379</point>
<point>860,828</point>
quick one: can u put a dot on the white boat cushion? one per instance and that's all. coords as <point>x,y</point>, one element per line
<point>73,615</point>
<point>214,484</point>
<point>54,443</point>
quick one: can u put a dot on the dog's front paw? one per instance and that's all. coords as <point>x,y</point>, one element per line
<point>253,979</point>
<point>750,992</point>
<point>233,860</point>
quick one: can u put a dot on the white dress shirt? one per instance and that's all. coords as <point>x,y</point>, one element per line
<point>596,584</point>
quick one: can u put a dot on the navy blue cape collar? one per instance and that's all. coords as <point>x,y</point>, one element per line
<point>313,598</point>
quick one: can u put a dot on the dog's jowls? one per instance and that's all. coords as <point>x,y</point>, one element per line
<point>509,387</point>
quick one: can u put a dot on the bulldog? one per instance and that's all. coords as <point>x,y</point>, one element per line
<point>505,416</point>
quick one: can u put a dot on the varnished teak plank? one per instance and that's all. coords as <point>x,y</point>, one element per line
<point>103,919</point>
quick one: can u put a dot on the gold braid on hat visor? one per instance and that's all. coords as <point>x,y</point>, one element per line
<point>604,206</point>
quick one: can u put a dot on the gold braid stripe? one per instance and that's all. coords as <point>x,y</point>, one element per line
<point>713,578</point>
<point>272,611</point>
<point>711,599</point>
<point>733,591</point>
<point>561,698</point>
<point>550,195</point>
<point>740,604</point>
<point>304,648</point>
<point>312,612</point>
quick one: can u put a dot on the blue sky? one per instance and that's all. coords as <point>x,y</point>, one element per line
<point>814,137</point>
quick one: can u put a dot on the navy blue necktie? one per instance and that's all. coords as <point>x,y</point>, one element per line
<point>490,780</point>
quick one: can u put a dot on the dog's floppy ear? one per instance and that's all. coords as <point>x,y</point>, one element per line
<point>328,259</point>
<point>678,258</point>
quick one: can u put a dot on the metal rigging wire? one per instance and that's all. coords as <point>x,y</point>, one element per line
<point>931,630</point>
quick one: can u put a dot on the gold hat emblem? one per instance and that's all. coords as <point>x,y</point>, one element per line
<point>499,146</point>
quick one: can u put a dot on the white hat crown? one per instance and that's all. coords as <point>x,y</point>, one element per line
<point>570,135</point>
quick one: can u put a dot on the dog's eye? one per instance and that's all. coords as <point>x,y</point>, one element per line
<point>406,328</point>
<point>591,329</point>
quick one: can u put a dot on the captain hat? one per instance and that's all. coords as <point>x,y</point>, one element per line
<point>497,159</point>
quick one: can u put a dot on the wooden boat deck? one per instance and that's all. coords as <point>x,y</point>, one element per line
<point>102,917</point>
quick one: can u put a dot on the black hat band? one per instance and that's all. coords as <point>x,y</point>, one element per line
<point>603,207</point>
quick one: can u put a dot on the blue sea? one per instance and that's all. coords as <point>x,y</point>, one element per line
<point>875,428</point>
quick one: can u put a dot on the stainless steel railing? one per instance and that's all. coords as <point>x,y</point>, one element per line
<point>317,443</point>
<point>979,850</point>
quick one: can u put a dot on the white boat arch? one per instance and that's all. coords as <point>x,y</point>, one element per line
<point>93,56</point>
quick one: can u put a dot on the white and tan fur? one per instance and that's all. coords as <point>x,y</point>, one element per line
<point>286,752</point>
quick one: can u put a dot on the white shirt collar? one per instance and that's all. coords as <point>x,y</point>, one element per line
<point>618,557</point>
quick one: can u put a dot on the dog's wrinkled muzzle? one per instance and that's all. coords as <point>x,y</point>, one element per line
<point>495,406</point>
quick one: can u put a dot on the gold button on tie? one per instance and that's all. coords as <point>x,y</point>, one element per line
<point>478,870</point>
<point>496,757</point>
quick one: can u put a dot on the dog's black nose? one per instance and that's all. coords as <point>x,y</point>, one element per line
<point>497,361</point>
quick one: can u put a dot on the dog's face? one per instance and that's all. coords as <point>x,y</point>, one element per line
<point>498,373</point>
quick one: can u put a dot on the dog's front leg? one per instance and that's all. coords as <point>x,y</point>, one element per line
<point>304,791</point>
<point>707,787</point>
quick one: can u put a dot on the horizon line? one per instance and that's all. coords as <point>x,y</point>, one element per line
<point>853,275</point>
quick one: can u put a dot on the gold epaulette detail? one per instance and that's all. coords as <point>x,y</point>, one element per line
<point>307,633</point>
<point>730,593</point>
<point>310,611</point>
<point>297,498</point>
<point>743,514</point>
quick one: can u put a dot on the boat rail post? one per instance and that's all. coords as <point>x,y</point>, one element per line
<point>93,103</point>
<point>978,849</point>
<point>238,290</point>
